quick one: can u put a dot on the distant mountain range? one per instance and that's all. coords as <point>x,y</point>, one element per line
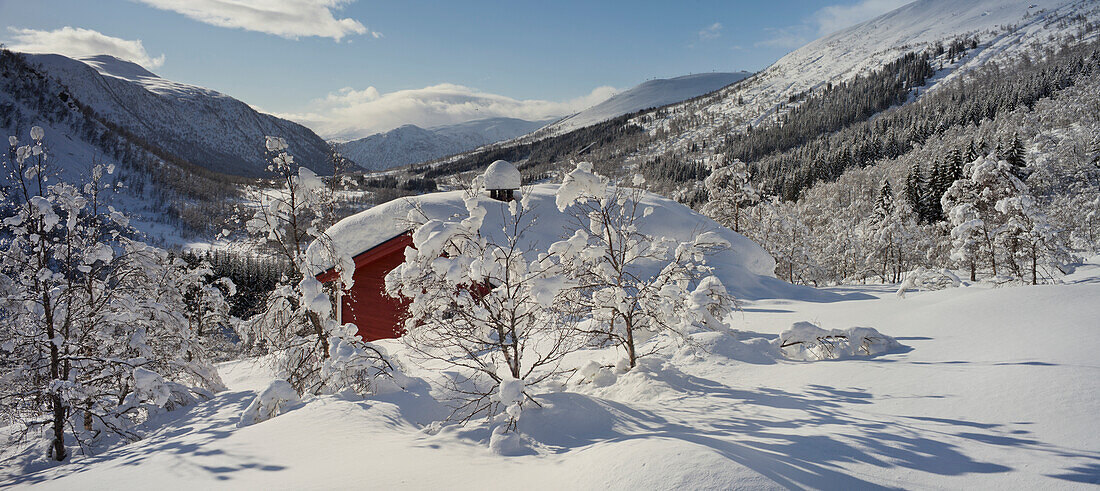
<point>410,144</point>
<point>198,125</point>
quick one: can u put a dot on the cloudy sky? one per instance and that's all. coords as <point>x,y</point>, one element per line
<point>349,68</point>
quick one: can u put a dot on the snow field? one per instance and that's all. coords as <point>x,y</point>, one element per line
<point>998,389</point>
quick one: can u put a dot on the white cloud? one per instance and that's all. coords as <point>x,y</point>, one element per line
<point>287,18</point>
<point>75,42</point>
<point>349,113</point>
<point>836,17</point>
<point>711,32</point>
<point>827,20</point>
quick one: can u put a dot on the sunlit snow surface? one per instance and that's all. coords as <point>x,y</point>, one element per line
<point>995,388</point>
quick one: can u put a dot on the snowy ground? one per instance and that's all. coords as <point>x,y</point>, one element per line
<point>996,388</point>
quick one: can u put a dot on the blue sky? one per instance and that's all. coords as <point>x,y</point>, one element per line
<point>349,68</point>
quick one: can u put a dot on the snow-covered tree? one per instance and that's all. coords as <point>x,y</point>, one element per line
<point>206,304</point>
<point>1029,237</point>
<point>92,330</point>
<point>891,233</point>
<point>779,228</point>
<point>971,210</point>
<point>729,191</point>
<point>485,301</point>
<point>313,352</point>
<point>634,284</point>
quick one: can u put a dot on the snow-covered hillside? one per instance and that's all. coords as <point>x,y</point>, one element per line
<point>154,188</point>
<point>652,93</point>
<point>198,125</point>
<point>986,393</point>
<point>410,144</point>
<point>1004,28</point>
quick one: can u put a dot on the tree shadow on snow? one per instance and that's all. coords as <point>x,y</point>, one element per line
<point>184,433</point>
<point>772,432</point>
<point>1087,474</point>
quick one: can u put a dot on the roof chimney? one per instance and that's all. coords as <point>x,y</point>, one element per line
<point>501,179</point>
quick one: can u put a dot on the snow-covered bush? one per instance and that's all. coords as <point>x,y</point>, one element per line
<point>273,401</point>
<point>313,352</point>
<point>597,375</point>
<point>611,264</point>
<point>93,332</point>
<point>807,342</point>
<point>928,279</point>
<point>486,303</point>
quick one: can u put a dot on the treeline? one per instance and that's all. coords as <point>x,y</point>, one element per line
<point>1010,198</point>
<point>833,108</point>
<point>981,95</point>
<point>255,277</point>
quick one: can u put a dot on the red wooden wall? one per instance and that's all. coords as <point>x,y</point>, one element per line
<point>366,305</point>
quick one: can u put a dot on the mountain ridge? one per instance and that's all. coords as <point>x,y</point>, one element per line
<point>410,144</point>
<point>200,125</point>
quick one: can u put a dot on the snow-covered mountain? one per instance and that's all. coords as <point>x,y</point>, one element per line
<point>994,31</point>
<point>1004,28</point>
<point>410,144</point>
<point>198,125</point>
<point>652,93</point>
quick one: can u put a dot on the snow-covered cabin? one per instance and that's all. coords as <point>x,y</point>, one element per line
<point>376,238</point>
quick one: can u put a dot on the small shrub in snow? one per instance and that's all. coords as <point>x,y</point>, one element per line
<point>597,375</point>
<point>807,342</point>
<point>273,401</point>
<point>928,279</point>
<point>507,443</point>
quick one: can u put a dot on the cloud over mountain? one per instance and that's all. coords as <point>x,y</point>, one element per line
<point>354,113</point>
<point>78,42</point>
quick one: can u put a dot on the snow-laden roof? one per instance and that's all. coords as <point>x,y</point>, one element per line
<point>501,175</point>
<point>745,269</point>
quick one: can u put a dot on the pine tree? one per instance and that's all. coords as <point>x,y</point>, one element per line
<point>972,154</point>
<point>885,204</point>
<point>956,166</point>
<point>935,189</point>
<point>1015,156</point>
<point>915,190</point>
